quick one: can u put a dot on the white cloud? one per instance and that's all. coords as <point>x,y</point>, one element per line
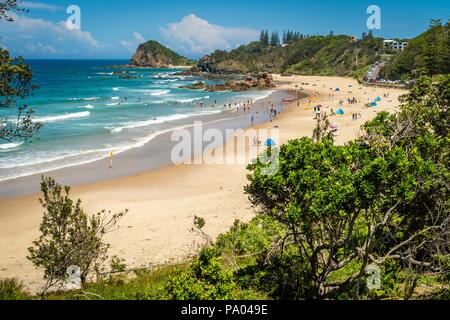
<point>196,36</point>
<point>38,6</point>
<point>131,45</point>
<point>29,36</point>
<point>139,38</point>
<point>40,48</point>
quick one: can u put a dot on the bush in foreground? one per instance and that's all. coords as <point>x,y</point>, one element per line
<point>12,289</point>
<point>69,237</point>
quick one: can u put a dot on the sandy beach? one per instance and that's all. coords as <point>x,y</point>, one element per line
<point>162,203</point>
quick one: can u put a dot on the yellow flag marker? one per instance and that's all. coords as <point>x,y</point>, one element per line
<point>111,159</point>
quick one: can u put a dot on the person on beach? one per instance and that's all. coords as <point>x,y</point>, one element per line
<point>111,155</point>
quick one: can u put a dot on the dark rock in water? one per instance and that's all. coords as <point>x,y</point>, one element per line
<point>195,86</point>
<point>262,81</point>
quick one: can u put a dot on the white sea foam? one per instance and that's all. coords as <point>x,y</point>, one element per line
<point>156,93</point>
<point>62,117</point>
<point>156,102</point>
<point>264,96</point>
<point>115,89</point>
<point>50,163</point>
<point>89,106</point>
<point>84,99</point>
<point>164,75</point>
<point>6,146</point>
<point>37,159</point>
<point>166,81</point>
<point>192,99</point>
<point>112,104</point>
<point>115,98</point>
<point>140,124</point>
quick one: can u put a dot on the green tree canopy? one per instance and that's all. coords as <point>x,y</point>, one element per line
<point>383,197</point>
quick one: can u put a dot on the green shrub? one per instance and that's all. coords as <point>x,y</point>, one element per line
<point>69,236</point>
<point>206,279</point>
<point>390,282</point>
<point>141,284</point>
<point>380,197</point>
<point>12,289</point>
<point>250,238</point>
<point>281,278</point>
<point>117,265</point>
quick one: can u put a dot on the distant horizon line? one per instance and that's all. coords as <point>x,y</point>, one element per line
<point>91,59</point>
<point>111,59</point>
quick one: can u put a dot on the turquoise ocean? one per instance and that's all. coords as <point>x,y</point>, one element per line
<point>89,110</point>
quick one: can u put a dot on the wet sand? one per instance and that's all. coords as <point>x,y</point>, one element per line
<point>153,155</point>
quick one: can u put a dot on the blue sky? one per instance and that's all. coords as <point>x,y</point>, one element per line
<point>113,29</point>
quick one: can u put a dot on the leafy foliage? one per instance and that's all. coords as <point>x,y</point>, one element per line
<point>117,265</point>
<point>15,83</point>
<point>250,238</point>
<point>69,236</point>
<point>319,55</point>
<point>141,284</point>
<point>9,5</point>
<point>206,279</point>
<point>12,289</point>
<point>382,197</point>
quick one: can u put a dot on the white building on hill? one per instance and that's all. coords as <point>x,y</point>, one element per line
<point>395,45</point>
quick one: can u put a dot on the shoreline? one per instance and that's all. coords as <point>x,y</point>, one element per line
<point>153,154</point>
<point>163,202</point>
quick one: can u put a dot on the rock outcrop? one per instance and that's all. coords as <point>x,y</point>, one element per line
<point>262,81</point>
<point>152,54</point>
<point>210,65</point>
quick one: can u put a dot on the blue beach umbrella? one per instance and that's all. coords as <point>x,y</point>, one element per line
<point>373,104</point>
<point>270,143</point>
<point>378,99</point>
<point>340,112</point>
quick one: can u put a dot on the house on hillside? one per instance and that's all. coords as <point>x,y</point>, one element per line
<point>395,45</point>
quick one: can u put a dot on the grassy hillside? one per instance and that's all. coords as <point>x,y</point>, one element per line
<point>427,54</point>
<point>318,55</point>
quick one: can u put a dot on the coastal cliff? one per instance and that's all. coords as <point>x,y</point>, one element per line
<point>152,54</point>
